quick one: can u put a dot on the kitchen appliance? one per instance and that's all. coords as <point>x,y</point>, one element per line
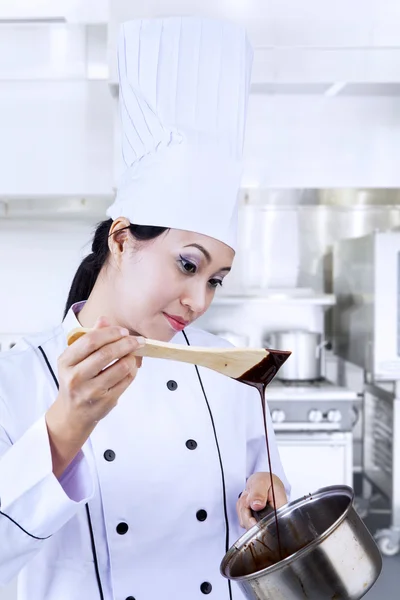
<point>313,423</point>
<point>367,330</point>
<point>329,552</point>
<point>8,341</point>
<point>381,454</point>
<point>305,363</point>
<point>236,339</point>
<point>367,314</point>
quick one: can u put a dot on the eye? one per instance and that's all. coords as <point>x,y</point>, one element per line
<point>187,266</point>
<point>214,283</point>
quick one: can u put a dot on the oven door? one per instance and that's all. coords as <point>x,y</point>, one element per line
<point>312,460</point>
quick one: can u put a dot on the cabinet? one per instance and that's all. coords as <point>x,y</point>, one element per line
<point>312,461</point>
<point>56,139</point>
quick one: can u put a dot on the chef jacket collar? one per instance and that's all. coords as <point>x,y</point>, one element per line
<point>71,319</point>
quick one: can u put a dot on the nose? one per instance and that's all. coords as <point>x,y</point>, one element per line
<point>195,297</point>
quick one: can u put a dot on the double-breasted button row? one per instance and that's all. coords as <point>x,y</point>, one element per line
<point>201,515</point>
<point>109,455</point>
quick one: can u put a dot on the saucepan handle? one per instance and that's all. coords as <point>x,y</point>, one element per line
<point>264,512</point>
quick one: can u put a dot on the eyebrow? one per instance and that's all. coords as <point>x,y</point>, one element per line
<point>206,254</point>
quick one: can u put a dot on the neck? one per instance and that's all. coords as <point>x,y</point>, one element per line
<point>97,306</point>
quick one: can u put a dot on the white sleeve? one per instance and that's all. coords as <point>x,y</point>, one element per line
<point>257,460</point>
<point>34,504</point>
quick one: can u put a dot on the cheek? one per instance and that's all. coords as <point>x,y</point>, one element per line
<point>148,285</point>
<point>210,298</point>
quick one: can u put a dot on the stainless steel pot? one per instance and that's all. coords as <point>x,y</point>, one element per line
<point>330,554</point>
<point>305,363</point>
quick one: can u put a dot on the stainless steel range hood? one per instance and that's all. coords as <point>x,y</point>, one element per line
<point>344,197</point>
<point>65,208</point>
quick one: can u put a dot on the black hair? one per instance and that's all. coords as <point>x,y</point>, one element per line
<point>89,269</point>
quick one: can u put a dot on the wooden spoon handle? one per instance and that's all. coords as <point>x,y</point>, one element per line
<point>232,362</point>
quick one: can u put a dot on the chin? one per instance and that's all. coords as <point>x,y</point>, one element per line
<point>159,334</point>
<point>166,337</point>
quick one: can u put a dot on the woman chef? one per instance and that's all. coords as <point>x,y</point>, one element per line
<point>123,482</point>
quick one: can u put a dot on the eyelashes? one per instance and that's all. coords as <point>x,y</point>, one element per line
<point>189,267</point>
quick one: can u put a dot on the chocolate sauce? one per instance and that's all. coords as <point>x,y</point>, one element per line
<point>259,377</point>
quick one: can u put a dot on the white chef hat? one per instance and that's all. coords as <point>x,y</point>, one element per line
<point>184,85</point>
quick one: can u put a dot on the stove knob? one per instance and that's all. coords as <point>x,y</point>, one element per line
<point>278,416</point>
<point>315,416</point>
<point>334,416</point>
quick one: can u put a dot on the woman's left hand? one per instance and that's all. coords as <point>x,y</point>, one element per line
<point>257,494</point>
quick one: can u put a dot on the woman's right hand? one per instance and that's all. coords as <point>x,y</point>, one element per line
<point>90,387</point>
<point>89,390</point>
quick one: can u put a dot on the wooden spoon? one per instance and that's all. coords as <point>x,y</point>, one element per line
<point>233,362</point>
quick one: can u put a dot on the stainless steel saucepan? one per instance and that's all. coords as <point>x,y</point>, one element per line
<point>327,552</point>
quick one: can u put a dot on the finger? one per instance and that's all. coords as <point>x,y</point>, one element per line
<point>246,519</point>
<point>280,494</point>
<point>79,332</point>
<point>113,375</point>
<point>105,356</point>
<point>246,516</point>
<point>91,342</point>
<point>122,386</point>
<point>111,397</point>
<point>258,493</point>
<point>239,510</point>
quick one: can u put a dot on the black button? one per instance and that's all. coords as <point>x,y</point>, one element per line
<point>191,445</point>
<point>172,385</point>
<point>201,515</point>
<point>109,455</point>
<point>130,598</point>
<point>122,528</point>
<point>206,587</point>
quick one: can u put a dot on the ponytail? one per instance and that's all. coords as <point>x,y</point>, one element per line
<point>89,269</point>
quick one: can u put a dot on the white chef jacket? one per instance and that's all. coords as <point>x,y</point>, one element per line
<point>147,508</point>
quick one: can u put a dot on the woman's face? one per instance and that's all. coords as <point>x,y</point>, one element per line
<point>160,286</point>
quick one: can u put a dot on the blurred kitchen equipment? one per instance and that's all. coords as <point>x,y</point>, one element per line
<point>313,423</point>
<point>260,237</point>
<point>330,553</point>
<point>305,364</point>
<point>367,324</point>
<point>236,339</point>
<point>8,341</point>
<point>367,315</point>
<point>381,451</point>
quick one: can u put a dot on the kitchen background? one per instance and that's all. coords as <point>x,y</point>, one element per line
<point>321,173</point>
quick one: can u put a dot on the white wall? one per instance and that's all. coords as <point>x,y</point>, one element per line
<point>37,262</point>
<point>315,141</point>
<point>56,138</point>
<point>312,141</point>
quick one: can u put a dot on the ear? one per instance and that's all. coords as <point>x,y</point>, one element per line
<point>119,236</point>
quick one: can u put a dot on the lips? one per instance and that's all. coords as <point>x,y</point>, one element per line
<point>177,323</point>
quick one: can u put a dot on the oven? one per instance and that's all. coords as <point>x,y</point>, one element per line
<point>313,423</point>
